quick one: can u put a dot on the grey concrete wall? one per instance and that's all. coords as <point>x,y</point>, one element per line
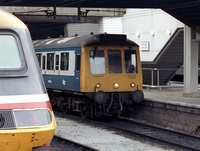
<point>176,117</point>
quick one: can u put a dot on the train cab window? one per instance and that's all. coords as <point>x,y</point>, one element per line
<point>64,61</point>
<point>114,61</point>
<point>50,61</point>
<point>39,59</point>
<point>10,57</point>
<point>97,62</point>
<point>57,62</point>
<point>130,61</point>
<point>43,62</point>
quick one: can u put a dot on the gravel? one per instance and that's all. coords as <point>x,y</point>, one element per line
<point>101,138</point>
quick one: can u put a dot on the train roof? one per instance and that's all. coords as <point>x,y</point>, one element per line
<point>8,20</point>
<point>87,40</point>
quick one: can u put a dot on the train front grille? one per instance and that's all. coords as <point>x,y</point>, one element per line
<point>7,119</point>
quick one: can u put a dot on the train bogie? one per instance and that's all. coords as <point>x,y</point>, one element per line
<point>106,73</point>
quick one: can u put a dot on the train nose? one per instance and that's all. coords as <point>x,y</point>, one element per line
<point>137,96</point>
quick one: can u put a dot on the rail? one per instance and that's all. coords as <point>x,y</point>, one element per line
<point>158,77</point>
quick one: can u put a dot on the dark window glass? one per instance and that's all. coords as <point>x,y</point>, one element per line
<point>43,62</point>
<point>64,61</point>
<point>39,59</point>
<point>130,61</point>
<point>78,62</point>
<point>114,61</point>
<point>57,62</point>
<point>50,61</point>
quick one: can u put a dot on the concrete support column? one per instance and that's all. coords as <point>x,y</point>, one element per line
<point>190,64</point>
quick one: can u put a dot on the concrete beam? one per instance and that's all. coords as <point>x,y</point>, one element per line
<point>59,19</point>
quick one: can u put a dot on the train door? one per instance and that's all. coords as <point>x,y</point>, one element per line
<point>39,57</point>
<point>43,63</point>
<point>57,63</point>
<point>67,63</point>
<point>77,73</point>
<point>67,70</point>
<point>50,63</point>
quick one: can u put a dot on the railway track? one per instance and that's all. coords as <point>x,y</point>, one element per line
<point>125,126</point>
<point>182,140</point>
<point>61,144</point>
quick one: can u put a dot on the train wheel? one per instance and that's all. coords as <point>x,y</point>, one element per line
<point>85,114</point>
<point>85,111</point>
<point>66,106</point>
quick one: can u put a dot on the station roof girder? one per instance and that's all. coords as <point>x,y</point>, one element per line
<point>186,11</point>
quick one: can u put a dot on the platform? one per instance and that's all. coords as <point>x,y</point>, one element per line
<point>169,109</point>
<point>172,95</point>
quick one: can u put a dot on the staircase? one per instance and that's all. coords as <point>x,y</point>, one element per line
<point>167,62</point>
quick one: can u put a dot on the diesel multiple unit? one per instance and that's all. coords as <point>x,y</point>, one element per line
<point>93,74</point>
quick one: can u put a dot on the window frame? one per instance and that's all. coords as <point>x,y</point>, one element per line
<point>61,64</point>
<point>48,64</point>
<point>109,65</point>
<point>39,58</point>
<point>136,61</point>
<point>15,72</point>
<point>92,54</point>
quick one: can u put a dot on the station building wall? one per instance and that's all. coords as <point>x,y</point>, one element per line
<point>149,28</point>
<point>111,25</point>
<point>81,29</point>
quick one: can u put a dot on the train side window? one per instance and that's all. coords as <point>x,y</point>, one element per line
<point>114,61</point>
<point>43,62</point>
<point>78,62</point>
<point>130,61</point>
<point>50,61</point>
<point>64,61</point>
<point>97,62</point>
<point>39,59</point>
<point>57,62</point>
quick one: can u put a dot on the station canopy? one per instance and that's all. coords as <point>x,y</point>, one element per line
<point>187,11</point>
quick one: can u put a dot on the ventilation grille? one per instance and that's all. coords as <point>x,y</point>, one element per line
<point>7,119</point>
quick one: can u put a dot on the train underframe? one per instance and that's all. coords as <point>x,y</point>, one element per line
<point>98,104</point>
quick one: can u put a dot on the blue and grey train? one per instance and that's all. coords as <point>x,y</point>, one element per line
<point>93,74</point>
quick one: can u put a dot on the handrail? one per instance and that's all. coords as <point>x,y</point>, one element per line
<point>159,69</point>
<point>158,73</point>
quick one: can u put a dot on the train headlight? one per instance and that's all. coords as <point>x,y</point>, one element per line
<point>38,117</point>
<point>98,85</point>
<point>116,85</point>
<point>132,84</point>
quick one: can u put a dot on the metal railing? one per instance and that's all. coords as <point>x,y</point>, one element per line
<point>157,70</point>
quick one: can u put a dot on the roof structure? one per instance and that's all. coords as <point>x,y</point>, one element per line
<point>186,11</point>
<point>87,40</point>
